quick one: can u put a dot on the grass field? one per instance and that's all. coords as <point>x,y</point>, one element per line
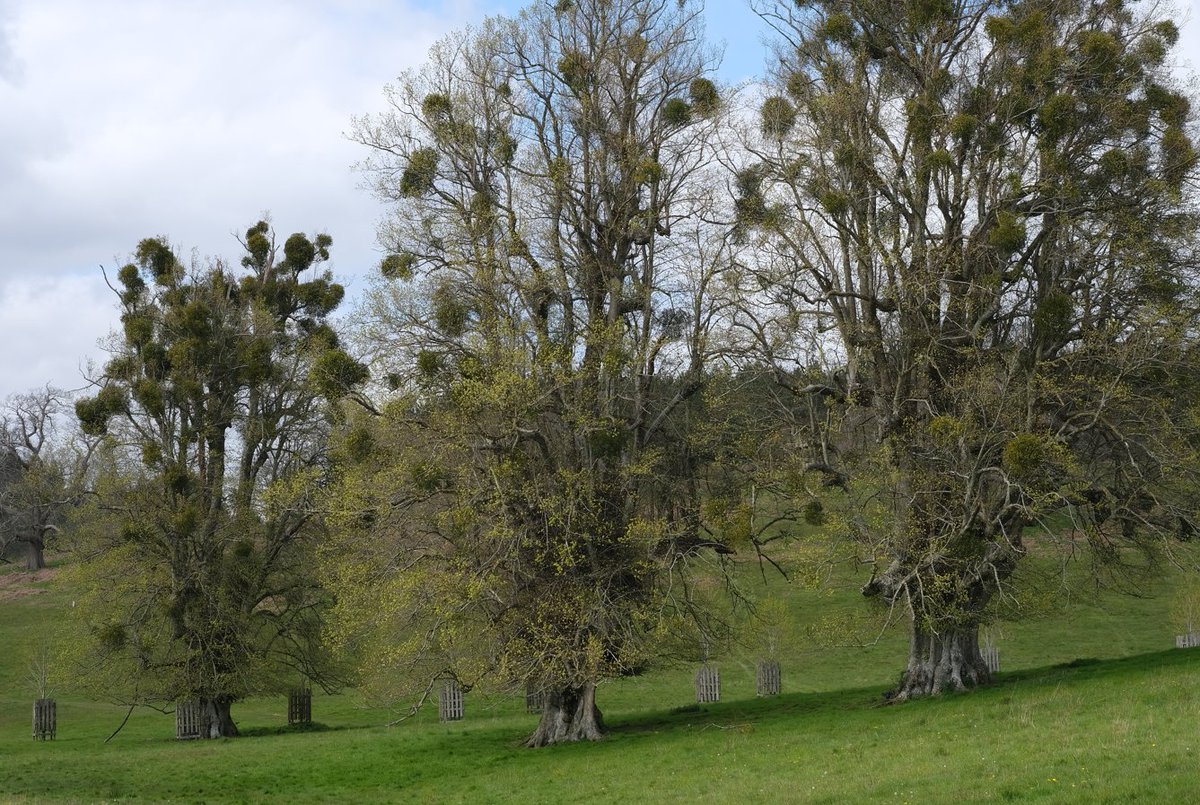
<point>1093,706</point>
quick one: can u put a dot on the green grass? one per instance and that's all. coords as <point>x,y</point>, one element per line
<point>1092,707</point>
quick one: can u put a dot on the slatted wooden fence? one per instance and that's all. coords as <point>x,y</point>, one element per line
<point>450,701</point>
<point>1189,640</point>
<point>300,706</point>
<point>191,720</point>
<point>534,698</point>
<point>708,684</point>
<point>768,678</point>
<point>45,720</point>
<point>991,657</point>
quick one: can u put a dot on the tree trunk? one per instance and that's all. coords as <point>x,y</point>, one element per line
<point>217,719</point>
<point>35,557</point>
<point>568,715</point>
<point>939,662</point>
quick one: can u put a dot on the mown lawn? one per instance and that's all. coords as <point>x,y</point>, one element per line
<point>1093,706</point>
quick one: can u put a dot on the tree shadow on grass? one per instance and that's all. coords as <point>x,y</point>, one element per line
<point>764,710</point>
<point>293,729</point>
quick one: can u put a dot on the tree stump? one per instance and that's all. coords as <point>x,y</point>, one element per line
<point>708,684</point>
<point>45,720</point>
<point>450,701</point>
<point>768,678</point>
<point>300,706</point>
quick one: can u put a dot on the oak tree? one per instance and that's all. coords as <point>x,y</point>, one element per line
<point>43,469</point>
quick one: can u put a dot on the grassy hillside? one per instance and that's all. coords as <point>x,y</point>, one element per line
<point>1093,705</point>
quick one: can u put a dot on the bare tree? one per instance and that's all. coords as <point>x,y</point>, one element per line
<point>43,465</point>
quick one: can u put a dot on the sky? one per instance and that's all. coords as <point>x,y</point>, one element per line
<point>191,119</point>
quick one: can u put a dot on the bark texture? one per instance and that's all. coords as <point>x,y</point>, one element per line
<point>217,719</point>
<point>941,662</point>
<point>35,556</point>
<point>567,716</point>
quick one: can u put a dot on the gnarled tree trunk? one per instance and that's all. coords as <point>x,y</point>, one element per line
<point>35,555</point>
<point>942,661</point>
<point>568,715</point>
<point>217,719</point>
<point>943,654</point>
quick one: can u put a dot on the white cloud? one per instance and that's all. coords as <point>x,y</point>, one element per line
<point>185,119</point>
<point>122,120</point>
<point>49,328</point>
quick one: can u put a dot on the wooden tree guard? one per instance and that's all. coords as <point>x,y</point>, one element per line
<point>534,698</point>
<point>768,680</point>
<point>708,684</point>
<point>450,701</point>
<point>991,657</point>
<point>45,720</point>
<point>300,706</point>
<point>191,720</point>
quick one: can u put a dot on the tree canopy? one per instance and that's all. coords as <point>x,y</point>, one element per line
<point>199,582</point>
<point>529,491</point>
<point>988,204</point>
<point>42,471</point>
<point>935,296</point>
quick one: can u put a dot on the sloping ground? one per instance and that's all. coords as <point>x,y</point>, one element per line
<point>18,583</point>
<point>1117,731</point>
<point>1063,727</point>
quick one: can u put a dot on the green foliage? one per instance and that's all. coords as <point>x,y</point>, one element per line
<point>429,363</point>
<point>834,202</point>
<point>1057,116</point>
<point>504,148</point>
<point>648,171</point>
<point>258,245</point>
<point>575,70</point>
<point>94,412</point>
<point>1054,315</point>
<point>1032,459</point>
<point>1179,157</point>
<point>156,257</point>
<point>298,253</point>
<point>208,394</point>
<point>334,374</point>
<point>963,125</point>
<point>1100,50</point>
<point>436,108</point>
<point>359,443</point>
<point>927,13</point>
<point>706,100</point>
<point>1008,235</point>
<point>450,313</point>
<point>814,513</point>
<point>397,266</point>
<point>750,204</point>
<point>777,116</point>
<point>838,28</point>
<point>419,175</point>
<point>677,112</point>
<point>946,430</point>
<point>138,327</point>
